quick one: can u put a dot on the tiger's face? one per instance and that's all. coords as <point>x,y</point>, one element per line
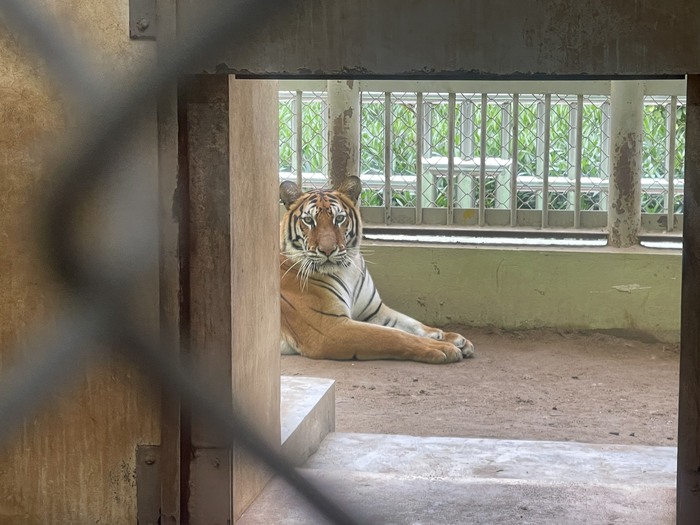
<point>321,230</point>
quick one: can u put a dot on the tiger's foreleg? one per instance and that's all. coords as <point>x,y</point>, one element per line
<point>389,317</point>
<point>357,340</point>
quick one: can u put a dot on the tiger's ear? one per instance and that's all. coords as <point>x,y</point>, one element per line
<point>289,193</point>
<point>352,187</point>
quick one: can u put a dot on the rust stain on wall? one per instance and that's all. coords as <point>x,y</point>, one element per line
<point>627,164</point>
<point>342,150</point>
<point>625,193</point>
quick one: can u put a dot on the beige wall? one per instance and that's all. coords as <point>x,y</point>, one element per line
<point>74,462</point>
<point>635,290</point>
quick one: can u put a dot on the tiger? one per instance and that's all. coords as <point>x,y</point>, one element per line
<point>330,307</point>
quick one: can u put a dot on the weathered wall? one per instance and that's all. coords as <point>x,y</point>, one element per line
<point>461,39</point>
<point>636,290</point>
<point>73,462</point>
<point>209,233</point>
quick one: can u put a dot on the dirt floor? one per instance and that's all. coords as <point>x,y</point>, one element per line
<point>541,385</point>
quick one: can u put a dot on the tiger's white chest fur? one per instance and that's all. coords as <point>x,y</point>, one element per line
<point>354,289</point>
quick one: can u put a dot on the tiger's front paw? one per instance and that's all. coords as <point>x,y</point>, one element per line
<point>440,352</point>
<point>465,345</point>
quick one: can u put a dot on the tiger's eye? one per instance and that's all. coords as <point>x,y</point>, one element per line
<point>340,218</point>
<point>308,220</point>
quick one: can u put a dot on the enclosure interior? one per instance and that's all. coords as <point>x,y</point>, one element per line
<point>536,40</point>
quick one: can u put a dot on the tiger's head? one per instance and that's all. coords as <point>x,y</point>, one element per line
<point>321,230</point>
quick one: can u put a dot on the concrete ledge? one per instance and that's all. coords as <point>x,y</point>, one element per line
<point>498,459</point>
<point>307,415</point>
<point>393,500</point>
<point>404,480</point>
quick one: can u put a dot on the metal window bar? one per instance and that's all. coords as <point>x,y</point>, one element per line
<point>572,144</point>
<point>671,162</point>
<point>298,133</point>
<point>427,123</point>
<point>605,141</point>
<point>514,162</point>
<point>506,125</point>
<point>482,163</point>
<point>420,141</point>
<point>388,121</point>
<point>539,151</point>
<point>451,106</point>
<point>325,143</point>
<point>545,161</point>
<point>578,159</point>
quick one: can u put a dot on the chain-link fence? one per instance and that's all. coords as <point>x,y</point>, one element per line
<point>524,151</point>
<point>662,162</point>
<point>101,278</point>
<point>303,130</point>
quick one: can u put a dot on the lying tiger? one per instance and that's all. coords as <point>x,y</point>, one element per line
<point>330,306</point>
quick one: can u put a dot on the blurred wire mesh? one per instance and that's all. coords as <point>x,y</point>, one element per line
<point>102,277</point>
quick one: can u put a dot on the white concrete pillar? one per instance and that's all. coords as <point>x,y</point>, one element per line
<point>624,202</point>
<point>343,130</point>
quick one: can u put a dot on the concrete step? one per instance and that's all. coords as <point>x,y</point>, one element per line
<point>307,415</point>
<point>411,480</point>
<point>462,458</point>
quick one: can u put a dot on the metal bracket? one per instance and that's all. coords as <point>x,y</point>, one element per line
<point>148,485</point>
<point>142,19</point>
<point>210,486</point>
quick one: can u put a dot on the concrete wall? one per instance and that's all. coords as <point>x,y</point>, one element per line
<point>460,39</point>
<point>74,462</point>
<point>234,282</point>
<point>635,290</point>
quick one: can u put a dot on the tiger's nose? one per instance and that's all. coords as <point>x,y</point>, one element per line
<point>326,250</point>
<point>327,243</point>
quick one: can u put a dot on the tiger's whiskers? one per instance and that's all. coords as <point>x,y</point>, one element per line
<point>294,264</point>
<point>304,273</point>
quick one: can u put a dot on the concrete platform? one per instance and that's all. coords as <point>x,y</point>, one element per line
<point>411,480</point>
<point>307,415</point>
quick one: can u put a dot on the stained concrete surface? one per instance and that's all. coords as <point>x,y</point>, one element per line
<point>410,480</point>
